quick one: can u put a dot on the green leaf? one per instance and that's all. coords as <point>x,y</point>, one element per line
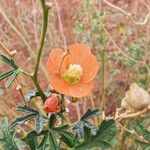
<point>31,94</point>
<point>104,137</point>
<point>60,129</point>
<point>8,61</point>
<point>52,121</point>
<point>7,141</point>
<point>87,134</point>
<point>90,113</point>
<point>12,78</point>
<point>42,145</point>
<point>7,74</point>
<point>21,120</point>
<point>53,143</point>
<point>79,126</point>
<point>21,144</point>
<point>68,138</point>
<point>39,123</point>
<point>32,140</point>
<point>25,108</point>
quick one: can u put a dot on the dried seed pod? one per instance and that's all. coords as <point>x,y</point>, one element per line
<point>125,105</point>
<point>136,97</point>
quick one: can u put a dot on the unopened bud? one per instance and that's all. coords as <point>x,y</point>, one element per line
<point>18,87</point>
<point>13,52</point>
<point>49,5</point>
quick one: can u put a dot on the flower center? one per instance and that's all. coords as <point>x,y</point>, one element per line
<point>73,74</point>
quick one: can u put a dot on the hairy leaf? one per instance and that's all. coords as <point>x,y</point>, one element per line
<point>53,143</point>
<point>7,140</point>
<point>7,74</point>
<point>42,145</point>
<point>32,140</point>
<point>104,137</point>
<point>90,113</point>
<point>21,120</point>
<point>25,108</point>
<point>31,94</point>
<point>52,121</point>
<point>12,78</point>
<point>8,61</point>
<point>39,123</point>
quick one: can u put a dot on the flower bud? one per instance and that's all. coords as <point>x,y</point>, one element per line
<point>136,97</point>
<point>51,105</point>
<point>13,52</point>
<point>49,5</point>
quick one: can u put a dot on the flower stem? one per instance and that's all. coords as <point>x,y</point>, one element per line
<point>40,49</point>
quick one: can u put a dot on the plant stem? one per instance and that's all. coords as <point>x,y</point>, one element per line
<point>102,55</point>
<point>102,104</point>
<point>40,49</point>
<point>25,72</point>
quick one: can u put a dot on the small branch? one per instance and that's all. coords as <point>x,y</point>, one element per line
<point>25,72</point>
<point>132,115</point>
<point>45,10</point>
<point>128,14</point>
<point>42,39</point>
<point>5,49</point>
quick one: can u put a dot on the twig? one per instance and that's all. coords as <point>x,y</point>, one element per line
<point>5,49</point>
<point>60,25</point>
<point>128,14</point>
<point>132,115</point>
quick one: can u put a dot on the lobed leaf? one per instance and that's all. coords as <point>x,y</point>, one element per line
<point>31,94</point>
<point>25,108</point>
<point>39,122</point>
<point>7,74</point>
<point>8,61</point>
<point>104,137</point>
<point>7,140</point>
<point>90,113</point>
<point>12,78</point>
<point>21,120</point>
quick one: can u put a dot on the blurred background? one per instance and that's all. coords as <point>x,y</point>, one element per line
<point>119,38</point>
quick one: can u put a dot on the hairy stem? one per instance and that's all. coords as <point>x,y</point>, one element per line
<point>40,49</point>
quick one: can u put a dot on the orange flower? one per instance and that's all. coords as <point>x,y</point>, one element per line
<point>72,73</point>
<point>51,105</point>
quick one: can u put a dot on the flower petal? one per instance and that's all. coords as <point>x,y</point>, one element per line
<point>59,84</point>
<point>80,90</point>
<point>90,69</point>
<point>46,108</point>
<point>75,90</point>
<point>54,60</point>
<point>78,54</point>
